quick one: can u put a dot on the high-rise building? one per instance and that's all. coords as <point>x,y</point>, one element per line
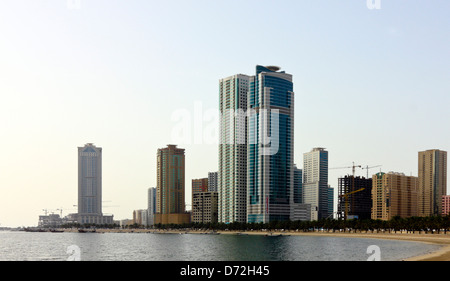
<point>393,194</point>
<point>432,181</point>
<point>140,217</point>
<point>205,207</point>
<point>213,181</point>
<point>330,202</point>
<point>270,174</point>
<point>199,185</point>
<point>151,206</point>
<point>90,186</point>
<point>355,197</point>
<point>298,185</point>
<point>232,174</point>
<point>170,188</point>
<point>315,182</point>
<point>299,210</point>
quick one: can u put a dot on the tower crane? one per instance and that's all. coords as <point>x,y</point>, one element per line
<point>367,168</point>
<point>353,168</point>
<point>346,200</point>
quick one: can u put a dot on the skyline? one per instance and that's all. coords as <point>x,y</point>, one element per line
<point>371,86</point>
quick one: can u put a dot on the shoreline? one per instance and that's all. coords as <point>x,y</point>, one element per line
<point>443,240</point>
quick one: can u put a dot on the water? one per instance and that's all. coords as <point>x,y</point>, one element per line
<point>45,246</point>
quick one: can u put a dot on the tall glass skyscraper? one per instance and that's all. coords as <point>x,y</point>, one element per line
<point>298,185</point>
<point>270,112</point>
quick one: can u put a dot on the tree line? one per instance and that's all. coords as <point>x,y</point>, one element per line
<point>431,224</point>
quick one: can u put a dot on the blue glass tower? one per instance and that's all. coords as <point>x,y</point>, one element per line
<point>298,185</point>
<point>270,112</point>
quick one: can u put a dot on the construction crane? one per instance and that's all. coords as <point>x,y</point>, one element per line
<point>367,168</point>
<point>346,200</point>
<point>353,168</point>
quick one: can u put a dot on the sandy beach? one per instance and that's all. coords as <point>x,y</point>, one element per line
<point>443,254</point>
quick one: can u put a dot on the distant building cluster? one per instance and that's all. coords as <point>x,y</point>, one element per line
<point>387,195</point>
<point>257,180</point>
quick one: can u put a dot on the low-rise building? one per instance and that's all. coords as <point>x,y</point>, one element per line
<point>446,205</point>
<point>205,207</point>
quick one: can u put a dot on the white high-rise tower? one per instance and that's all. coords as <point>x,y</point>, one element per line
<point>315,182</point>
<point>232,172</point>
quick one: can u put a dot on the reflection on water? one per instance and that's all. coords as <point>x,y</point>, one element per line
<point>198,247</point>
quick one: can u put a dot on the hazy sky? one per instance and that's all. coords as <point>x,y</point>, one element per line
<point>371,85</point>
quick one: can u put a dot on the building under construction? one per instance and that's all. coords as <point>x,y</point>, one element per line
<point>354,200</point>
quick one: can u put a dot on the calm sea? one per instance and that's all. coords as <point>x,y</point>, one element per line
<point>30,246</point>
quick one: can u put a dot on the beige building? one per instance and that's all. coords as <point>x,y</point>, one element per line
<point>199,185</point>
<point>170,187</point>
<point>205,207</point>
<point>432,181</point>
<point>126,222</point>
<point>140,217</point>
<point>393,194</point>
<point>172,218</point>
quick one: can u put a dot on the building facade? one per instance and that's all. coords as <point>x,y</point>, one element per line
<point>331,202</point>
<point>90,186</point>
<point>299,210</point>
<point>205,207</point>
<point>151,206</point>
<point>315,182</point>
<point>298,185</point>
<point>355,197</point>
<point>394,194</point>
<point>232,174</point>
<point>270,174</point>
<point>140,217</point>
<point>432,181</point>
<point>213,181</point>
<point>170,189</point>
<point>199,185</point>
<point>446,205</point>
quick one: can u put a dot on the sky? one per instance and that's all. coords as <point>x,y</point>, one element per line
<point>371,83</point>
